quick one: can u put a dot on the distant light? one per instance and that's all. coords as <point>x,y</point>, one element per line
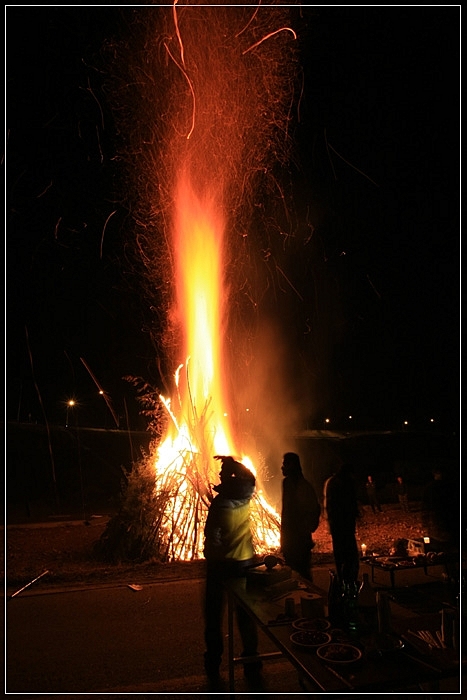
<point>71,402</point>
<point>432,420</point>
<point>101,392</point>
<point>247,409</point>
<point>225,415</point>
<point>327,420</point>
<point>426,540</point>
<point>350,417</point>
<point>406,422</point>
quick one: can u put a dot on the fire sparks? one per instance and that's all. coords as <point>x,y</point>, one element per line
<point>223,106</point>
<point>283,29</point>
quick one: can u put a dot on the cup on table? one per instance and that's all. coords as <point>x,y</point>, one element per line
<point>312,605</point>
<point>290,607</point>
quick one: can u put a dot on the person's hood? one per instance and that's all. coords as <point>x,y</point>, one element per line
<point>236,489</point>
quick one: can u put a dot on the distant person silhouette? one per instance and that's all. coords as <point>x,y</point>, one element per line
<point>299,517</point>
<point>372,496</point>
<point>341,507</point>
<point>402,494</point>
<point>440,511</point>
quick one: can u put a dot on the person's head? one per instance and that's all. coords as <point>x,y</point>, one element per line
<point>399,479</point>
<point>231,468</point>
<point>291,464</point>
<point>370,479</point>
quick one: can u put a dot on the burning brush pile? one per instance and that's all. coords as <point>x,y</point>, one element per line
<point>200,148</point>
<point>164,518</point>
<point>166,497</point>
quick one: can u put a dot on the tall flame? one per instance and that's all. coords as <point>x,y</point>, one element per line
<point>225,78</point>
<point>199,242</point>
<point>200,427</point>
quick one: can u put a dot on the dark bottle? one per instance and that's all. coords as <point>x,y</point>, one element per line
<point>335,601</point>
<point>350,602</point>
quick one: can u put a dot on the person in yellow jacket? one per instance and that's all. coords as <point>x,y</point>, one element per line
<point>229,551</point>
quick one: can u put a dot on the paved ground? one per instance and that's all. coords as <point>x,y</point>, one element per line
<point>109,638</point>
<point>116,639</point>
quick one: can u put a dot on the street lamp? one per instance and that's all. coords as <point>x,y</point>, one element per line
<point>69,404</point>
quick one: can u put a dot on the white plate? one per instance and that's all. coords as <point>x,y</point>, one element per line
<point>337,653</point>
<point>311,623</point>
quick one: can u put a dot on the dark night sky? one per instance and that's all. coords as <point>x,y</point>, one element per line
<point>377,173</point>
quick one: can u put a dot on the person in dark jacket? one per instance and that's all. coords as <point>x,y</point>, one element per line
<point>341,506</point>
<point>440,508</point>
<point>228,550</point>
<point>402,494</point>
<point>372,495</point>
<point>299,517</point>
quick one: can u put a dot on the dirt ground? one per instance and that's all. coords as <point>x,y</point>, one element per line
<point>65,550</point>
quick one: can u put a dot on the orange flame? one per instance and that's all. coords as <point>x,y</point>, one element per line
<point>200,427</point>
<point>198,238</point>
<point>229,75</point>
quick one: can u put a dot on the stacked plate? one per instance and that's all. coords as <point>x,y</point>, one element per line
<point>311,624</point>
<point>336,653</point>
<point>310,639</point>
<point>314,635</point>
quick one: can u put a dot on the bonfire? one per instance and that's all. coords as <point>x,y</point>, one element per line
<point>228,90</point>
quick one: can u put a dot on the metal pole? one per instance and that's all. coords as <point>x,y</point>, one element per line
<point>28,584</point>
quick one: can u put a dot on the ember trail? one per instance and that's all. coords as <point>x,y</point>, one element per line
<point>215,88</point>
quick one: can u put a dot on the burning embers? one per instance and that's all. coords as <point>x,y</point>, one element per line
<point>184,496</point>
<point>228,92</point>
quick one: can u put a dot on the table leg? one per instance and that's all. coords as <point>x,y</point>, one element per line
<point>230,626</point>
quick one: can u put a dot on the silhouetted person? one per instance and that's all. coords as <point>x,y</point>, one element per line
<point>228,549</point>
<point>402,494</point>
<point>299,517</point>
<point>441,521</point>
<point>372,496</point>
<point>341,506</point>
<point>440,512</point>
